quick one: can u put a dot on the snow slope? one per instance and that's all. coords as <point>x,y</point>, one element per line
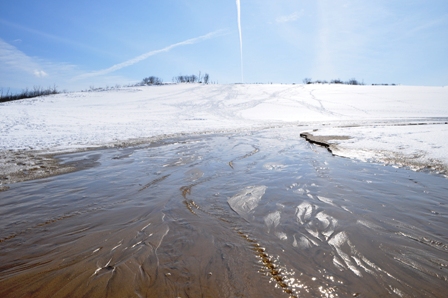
<point>369,114</point>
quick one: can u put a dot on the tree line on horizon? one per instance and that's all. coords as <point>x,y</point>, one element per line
<point>339,81</point>
<point>153,80</point>
<point>192,79</point>
<point>336,81</point>
<point>149,81</point>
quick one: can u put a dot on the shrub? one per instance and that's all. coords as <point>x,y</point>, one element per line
<point>337,81</point>
<point>353,82</point>
<point>206,78</point>
<point>152,80</point>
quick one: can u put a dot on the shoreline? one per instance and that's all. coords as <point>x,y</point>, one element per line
<point>25,165</point>
<point>22,165</point>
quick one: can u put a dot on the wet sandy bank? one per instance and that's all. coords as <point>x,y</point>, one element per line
<point>22,165</point>
<point>25,165</point>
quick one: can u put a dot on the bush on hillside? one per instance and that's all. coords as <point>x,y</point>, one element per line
<point>152,80</point>
<point>206,78</point>
<point>337,81</point>
<point>185,79</point>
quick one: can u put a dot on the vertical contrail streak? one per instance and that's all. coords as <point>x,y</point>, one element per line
<point>238,7</point>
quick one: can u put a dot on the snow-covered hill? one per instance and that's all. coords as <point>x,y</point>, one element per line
<point>377,118</point>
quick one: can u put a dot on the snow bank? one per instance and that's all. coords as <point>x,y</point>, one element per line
<point>416,145</point>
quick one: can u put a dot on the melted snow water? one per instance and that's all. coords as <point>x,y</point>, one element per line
<point>261,214</point>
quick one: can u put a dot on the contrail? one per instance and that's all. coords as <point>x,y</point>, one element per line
<point>146,55</point>
<point>238,7</point>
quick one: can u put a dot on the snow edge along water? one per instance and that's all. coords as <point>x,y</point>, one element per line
<point>35,130</point>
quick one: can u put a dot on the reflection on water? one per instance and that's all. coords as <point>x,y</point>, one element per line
<point>261,214</point>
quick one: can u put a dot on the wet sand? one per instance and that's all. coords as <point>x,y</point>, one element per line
<point>261,214</point>
<point>22,165</point>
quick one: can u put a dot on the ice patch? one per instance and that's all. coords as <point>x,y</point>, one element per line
<point>281,236</point>
<point>337,242</point>
<point>328,224</point>
<point>272,219</point>
<point>247,200</point>
<point>303,242</point>
<point>273,166</point>
<point>326,200</point>
<point>303,212</point>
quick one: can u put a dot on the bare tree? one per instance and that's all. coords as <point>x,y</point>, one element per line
<point>307,81</point>
<point>192,79</point>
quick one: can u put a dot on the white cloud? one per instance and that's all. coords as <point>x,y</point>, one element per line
<point>40,73</point>
<point>18,70</point>
<point>13,59</point>
<point>290,18</point>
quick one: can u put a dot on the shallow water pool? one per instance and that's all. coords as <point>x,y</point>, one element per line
<point>260,214</point>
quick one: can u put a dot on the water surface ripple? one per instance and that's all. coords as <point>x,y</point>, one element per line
<point>260,214</point>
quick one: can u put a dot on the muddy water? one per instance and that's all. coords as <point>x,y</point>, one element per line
<point>261,214</point>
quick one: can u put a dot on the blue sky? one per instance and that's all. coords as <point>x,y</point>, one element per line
<point>78,44</point>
